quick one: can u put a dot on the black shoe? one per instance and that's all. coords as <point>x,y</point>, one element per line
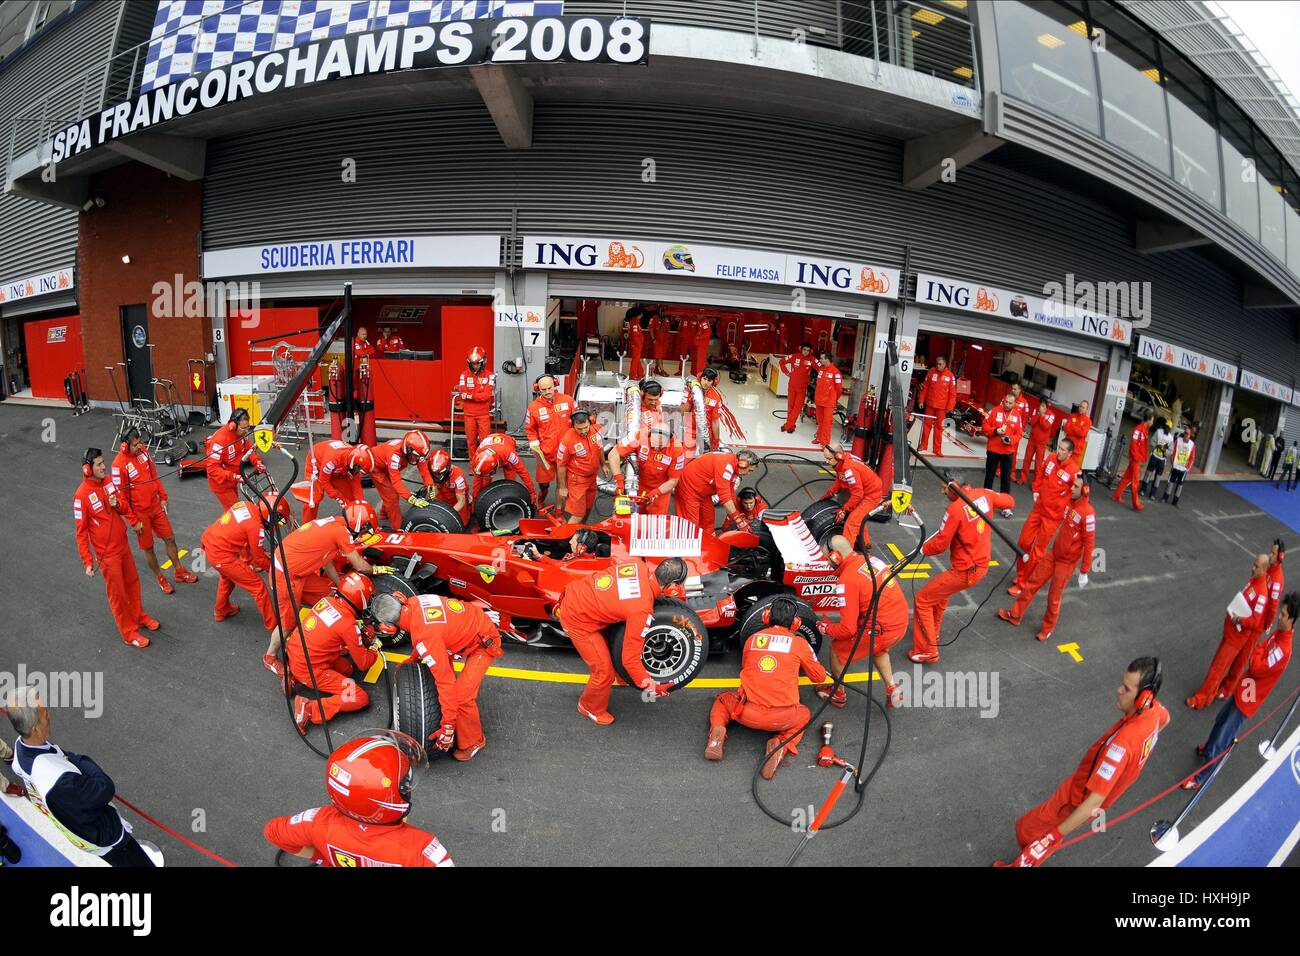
<point>1175,502</point>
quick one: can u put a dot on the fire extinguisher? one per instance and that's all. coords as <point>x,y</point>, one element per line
<point>334,401</point>
<point>365,406</point>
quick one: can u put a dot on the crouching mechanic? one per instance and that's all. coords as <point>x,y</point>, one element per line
<point>367,825</point>
<point>334,649</point>
<point>713,473</point>
<point>439,628</point>
<point>498,451</point>
<point>391,457</point>
<point>861,577</point>
<point>1110,767</point>
<point>449,486</point>
<point>311,552</point>
<point>863,486</point>
<point>136,477</point>
<point>334,470</point>
<point>768,698</point>
<point>752,507</point>
<point>625,591</point>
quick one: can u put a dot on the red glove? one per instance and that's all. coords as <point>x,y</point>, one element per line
<point>742,523</point>
<point>446,737</point>
<point>841,516</point>
<point>1038,851</point>
<point>659,690</point>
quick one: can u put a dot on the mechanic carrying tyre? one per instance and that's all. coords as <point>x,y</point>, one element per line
<point>862,484</point>
<point>440,627</point>
<point>768,698</point>
<point>624,592</point>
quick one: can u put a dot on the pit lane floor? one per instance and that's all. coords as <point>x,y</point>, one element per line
<point>194,732</point>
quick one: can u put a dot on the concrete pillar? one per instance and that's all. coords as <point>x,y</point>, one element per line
<point>1108,410</point>
<point>1213,443</point>
<point>528,290</point>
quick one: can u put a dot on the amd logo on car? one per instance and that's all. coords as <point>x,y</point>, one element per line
<point>808,590</point>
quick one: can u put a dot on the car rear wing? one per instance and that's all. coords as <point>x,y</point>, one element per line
<point>799,549</point>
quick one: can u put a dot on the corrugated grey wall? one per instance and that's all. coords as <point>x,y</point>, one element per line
<point>726,178</point>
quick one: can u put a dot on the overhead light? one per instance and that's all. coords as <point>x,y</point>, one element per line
<point>915,34</point>
<point>928,16</point>
<point>126,260</point>
<point>965,72</point>
<point>959,4</point>
<point>1051,41</point>
<point>977,348</point>
<point>1153,75</point>
<point>88,205</point>
<point>1081,28</point>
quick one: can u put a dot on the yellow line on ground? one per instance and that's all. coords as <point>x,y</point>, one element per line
<point>181,554</point>
<point>560,677</point>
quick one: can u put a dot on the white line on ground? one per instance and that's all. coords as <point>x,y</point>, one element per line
<point>1208,521</point>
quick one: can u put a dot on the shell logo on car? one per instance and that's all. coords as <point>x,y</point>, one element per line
<point>455,605</point>
<point>620,257</point>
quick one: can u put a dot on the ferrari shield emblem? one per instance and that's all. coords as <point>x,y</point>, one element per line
<point>901,500</point>
<point>487,573</point>
<point>264,438</point>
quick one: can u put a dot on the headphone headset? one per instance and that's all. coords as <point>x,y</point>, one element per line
<point>1147,690</point>
<point>127,435</point>
<point>88,462</point>
<point>236,414</point>
<point>795,623</point>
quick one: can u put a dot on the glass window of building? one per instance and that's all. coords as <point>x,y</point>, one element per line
<point>1196,144</point>
<point>1132,94</point>
<point>1240,168</point>
<point>1293,241</point>
<point>1272,207</point>
<point>1047,60</point>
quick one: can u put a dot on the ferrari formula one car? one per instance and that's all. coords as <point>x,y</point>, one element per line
<point>520,576</point>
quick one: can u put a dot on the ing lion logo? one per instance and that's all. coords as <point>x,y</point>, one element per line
<point>63,280</point>
<point>620,257</point>
<point>868,281</point>
<point>1117,331</point>
<point>1169,355</point>
<point>1205,367</point>
<point>31,289</point>
<point>985,300</point>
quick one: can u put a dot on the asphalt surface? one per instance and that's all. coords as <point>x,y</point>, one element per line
<point>194,732</point>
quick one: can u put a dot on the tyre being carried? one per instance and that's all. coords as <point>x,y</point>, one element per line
<point>502,505</point>
<point>755,619</point>
<point>416,710</point>
<point>820,519</point>
<point>675,644</point>
<point>436,516</point>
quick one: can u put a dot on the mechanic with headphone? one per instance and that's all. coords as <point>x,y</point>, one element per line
<point>1110,767</point>
<point>136,477</point>
<point>98,510</point>
<point>864,488</point>
<point>226,448</point>
<point>768,698</point>
<point>547,420</point>
<point>334,470</point>
<point>366,826</point>
<point>335,649</point>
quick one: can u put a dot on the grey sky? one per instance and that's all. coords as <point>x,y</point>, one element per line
<point>1273,26</point>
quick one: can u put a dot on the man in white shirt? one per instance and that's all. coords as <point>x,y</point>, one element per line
<point>1161,439</point>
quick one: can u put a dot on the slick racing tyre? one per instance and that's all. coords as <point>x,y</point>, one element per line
<point>437,516</point>
<point>391,584</point>
<point>751,620</point>
<point>675,645</point>
<point>502,505</point>
<point>416,710</point>
<point>820,519</point>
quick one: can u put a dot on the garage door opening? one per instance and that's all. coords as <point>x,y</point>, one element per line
<point>1181,400</point>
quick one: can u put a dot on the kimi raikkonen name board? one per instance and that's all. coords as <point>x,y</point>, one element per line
<point>510,41</point>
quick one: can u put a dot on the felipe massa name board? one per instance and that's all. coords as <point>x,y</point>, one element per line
<point>509,41</point>
<point>1047,313</point>
<point>371,252</point>
<point>1166,353</point>
<point>710,262</point>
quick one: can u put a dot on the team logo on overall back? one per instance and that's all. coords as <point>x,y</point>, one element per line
<point>678,258</point>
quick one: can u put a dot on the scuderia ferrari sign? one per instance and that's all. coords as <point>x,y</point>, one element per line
<point>609,40</point>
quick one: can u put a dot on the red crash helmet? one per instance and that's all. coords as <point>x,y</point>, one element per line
<point>357,590</point>
<point>360,518</point>
<point>440,466</point>
<point>361,459</point>
<point>415,444</point>
<point>477,357</point>
<point>485,463</point>
<point>371,778</point>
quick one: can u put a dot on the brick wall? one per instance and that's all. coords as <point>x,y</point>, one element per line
<point>155,219</point>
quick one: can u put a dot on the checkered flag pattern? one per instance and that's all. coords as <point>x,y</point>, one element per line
<point>194,36</point>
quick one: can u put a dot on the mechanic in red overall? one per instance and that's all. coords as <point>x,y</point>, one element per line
<point>624,591</point>
<point>768,698</point>
<point>713,473</point>
<point>136,478</point>
<point>1051,498</point>
<point>1076,429</point>
<point>1110,767</point>
<point>1022,407</point>
<point>311,552</point>
<point>1276,581</point>
<point>752,506</point>
<point>439,628</point>
<point>1138,453</point>
<point>700,344</point>
<point>578,458</point>
<point>937,397</point>
<point>334,469</point>
<point>98,511</point>
<point>476,390</point>
<point>498,451</point>
<point>864,489</point>
<point>1073,548</point>
<point>1043,426</point>
<point>635,343</point>
<point>798,371</point>
<point>367,825</point>
<point>226,448</point>
<point>967,531</point>
<point>1239,634</point>
<point>235,547</point>
<point>856,572</point>
<point>391,457</point>
<point>335,648</point>
<point>659,335</point>
<point>659,464</point>
<point>449,485</point>
<point>390,341</point>
<point>546,422</point>
<point>826,397</point>
<point>1003,427</point>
